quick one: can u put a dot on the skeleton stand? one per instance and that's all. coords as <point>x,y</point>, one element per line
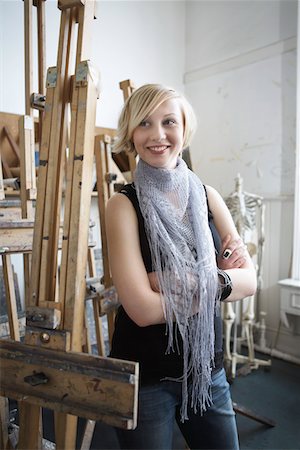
<point>49,370</point>
<point>243,208</point>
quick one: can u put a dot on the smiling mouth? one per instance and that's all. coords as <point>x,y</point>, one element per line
<point>158,149</point>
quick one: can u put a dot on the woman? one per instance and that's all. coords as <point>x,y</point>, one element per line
<point>169,240</point>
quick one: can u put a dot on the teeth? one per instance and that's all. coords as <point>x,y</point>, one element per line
<point>158,148</point>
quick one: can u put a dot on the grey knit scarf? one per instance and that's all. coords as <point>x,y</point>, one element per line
<point>173,204</point>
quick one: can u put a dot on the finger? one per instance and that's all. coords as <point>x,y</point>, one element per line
<point>230,245</point>
<point>236,243</point>
<point>239,252</point>
<point>225,241</point>
<point>238,262</point>
<point>227,253</point>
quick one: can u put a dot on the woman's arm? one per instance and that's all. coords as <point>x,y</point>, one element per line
<point>130,278</point>
<point>243,278</point>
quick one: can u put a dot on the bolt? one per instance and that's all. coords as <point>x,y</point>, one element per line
<point>45,337</point>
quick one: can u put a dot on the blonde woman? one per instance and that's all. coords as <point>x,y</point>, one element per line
<point>174,254</point>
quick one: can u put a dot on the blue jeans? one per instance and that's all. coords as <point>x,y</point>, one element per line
<point>159,407</point>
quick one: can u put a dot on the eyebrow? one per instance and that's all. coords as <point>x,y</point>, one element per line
<point>171,114</point>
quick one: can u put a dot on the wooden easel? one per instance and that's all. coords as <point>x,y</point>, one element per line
<point>50,369</point>
<point>127,87</point>
<point>105,191</point>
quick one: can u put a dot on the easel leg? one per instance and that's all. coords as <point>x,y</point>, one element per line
<point>4,422</point>
<point>30,435</point>
<point>98,328</point>
<point>251,415</point>
<point>10,298</point>
<point>65,431</point>
<point>88,435</point>
<point>27,263</point>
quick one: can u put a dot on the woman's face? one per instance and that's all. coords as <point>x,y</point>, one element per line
<point>158,139</point>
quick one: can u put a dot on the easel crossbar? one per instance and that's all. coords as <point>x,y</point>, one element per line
<point>75,383</point>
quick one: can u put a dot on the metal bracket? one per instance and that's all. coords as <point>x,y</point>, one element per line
<point>36,379</point>
<point>37,101</point>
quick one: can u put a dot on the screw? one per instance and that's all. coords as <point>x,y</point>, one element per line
<point>45,337</point>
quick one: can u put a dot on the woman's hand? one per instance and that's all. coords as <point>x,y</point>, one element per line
<point>153,279</point>
<point>179,306</point>
<point>233,253</point>
<point>177,290</point>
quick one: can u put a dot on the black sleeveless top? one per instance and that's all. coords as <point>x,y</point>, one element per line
<point>147,345</point>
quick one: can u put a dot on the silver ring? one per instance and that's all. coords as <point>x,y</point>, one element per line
<point>227,253</point>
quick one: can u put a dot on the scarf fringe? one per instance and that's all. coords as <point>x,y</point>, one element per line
<point>173,204</point>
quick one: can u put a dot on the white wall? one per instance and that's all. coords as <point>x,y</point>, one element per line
<point>241,78</point>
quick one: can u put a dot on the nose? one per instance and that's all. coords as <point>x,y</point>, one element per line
<point>158,133</point>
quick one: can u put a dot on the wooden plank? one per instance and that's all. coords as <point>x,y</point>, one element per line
<point>87,346</point>
<point>57,148</point>
<point>27,165</point>
<point>17,237</point>
<point>41,55</point>
<point>4,423</point>
<point>10,210</point>
<point>65,430</point>
<point>2,196</point>
<point>98,328</point>
<point>91,263</point>
<point>79,384</point>
<point>11,121</point>
<point>30,434</point>
<point>79,203</point>
<point>28,55</point>
<point>28,186</point>
<point>88,435</point>
<point>128,87</point>
<point>6,169</point>
<point>85,28</point>
<point>109,175</point>
<point>41,188</point>
<point>103,196</point>
<point>56,339</point>
<point>43,317</point>
<point>11,301</point>
<point>68,196</point>
<point>15,240</point>
<point>112,132</point>
<point>12,142</point>
<point>64,137</point>
<point>22,223</point>
<point>102,154</point>
<point>65,4</point>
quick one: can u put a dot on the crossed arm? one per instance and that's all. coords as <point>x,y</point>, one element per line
<point>137,290</point>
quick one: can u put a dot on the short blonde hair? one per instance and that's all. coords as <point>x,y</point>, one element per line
<point>141,104</point>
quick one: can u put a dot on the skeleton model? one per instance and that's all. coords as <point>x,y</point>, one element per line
<point>247,211</point>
